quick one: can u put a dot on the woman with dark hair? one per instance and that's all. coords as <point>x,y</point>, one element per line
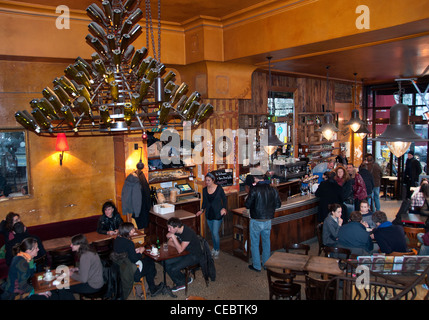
<point>90,270</point>
<point>124,244</point>
<point>332,224</point>
<point>343,179</point>
<point>110,219</point>
<point>328,192</point>
<point>214,205</point>
<point>6,226</point>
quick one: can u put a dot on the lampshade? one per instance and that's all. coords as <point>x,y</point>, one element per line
<point>355,122</point>
<point>399,133</point>
<point>328,129</point>
<point>362,132</point>
<point>273,140</point>
<point>61,144</point>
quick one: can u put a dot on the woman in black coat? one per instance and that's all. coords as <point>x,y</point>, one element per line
<point>328,192</point>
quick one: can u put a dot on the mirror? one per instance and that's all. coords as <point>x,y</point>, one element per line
<point>13,164</point>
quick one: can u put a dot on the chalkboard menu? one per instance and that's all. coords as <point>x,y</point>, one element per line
<point>223,177</point>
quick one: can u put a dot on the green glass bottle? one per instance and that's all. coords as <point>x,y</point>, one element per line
<point>169,76</point>
<point>114,90</point>
<point>190,114</point>
<point>164,112</point>
<point>144,88</point>
<point>81,78</point>
<point>129,4</point>
<point>99,47</point>
<point>41,119</point>
<point>125,41</point>
<point>143,66</point>
<point>117,57</point>
<point>68,116</point>
<point>181,103</point>
<point>107,7</point>
<point>204,114</point>
<point>135,100</point>
<point>126,27</point>
<point>128,113</point>
<point>151,74</point>
<point>80,68</point>
<point>83,91</point>
<point>104,114</point>
<point>111,41</point>
<point>71,71</point>
<point>47,92</point>
<point>47,108</point>
<point>96,14</point>
<point>100,67</point>
<point>195,96</point>
<point>138,56</point>
<point>84,107</point>
<point>67,85</point>
<point>117,18</point>
<point>95,56</point>
<point>97,31</point>
<point>128,53</point>
<point>27,122</point>
<point>179,93</point>
<point>57,104</point>
<point>62,94</point>
<point>109,76</point>
<point>134,33</point>
<point>136,16</point>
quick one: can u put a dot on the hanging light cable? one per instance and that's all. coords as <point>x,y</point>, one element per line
<point>328,129</point>
<point>355,122</point>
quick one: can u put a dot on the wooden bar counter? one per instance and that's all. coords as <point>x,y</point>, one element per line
<point>294,222</point>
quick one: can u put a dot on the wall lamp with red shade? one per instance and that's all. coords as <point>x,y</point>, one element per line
<point>61,145</point>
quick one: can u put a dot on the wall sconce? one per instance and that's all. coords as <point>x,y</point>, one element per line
<point>61,145</point>
<point>399,133</point>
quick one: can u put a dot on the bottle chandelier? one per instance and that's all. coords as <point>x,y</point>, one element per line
<point>122,90</point>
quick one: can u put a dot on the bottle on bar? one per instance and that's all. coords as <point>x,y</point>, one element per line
<point>143,66</point>
<point>128,113</point>
<point>97,31</point>
<point>180,92</point>
<point>85,64</point>
<point>71,71</point>
<point>161,69</point>
<point>169,76</point>
<point>107,7</point>
<point>164,112</point>
<point>27,121</point>
<point>95,13</point>
<point>80,68</point>
<point>62,94</point>
<point>95,56</point>
<point>204,114</point>
<point>99,47</point>
<point>84,107</point>
<point>114,90</point>
<point>41,119</point>
<point>104,114</point>
<point>81,78</point>
<point>68,116</point>
<point>47,108</point>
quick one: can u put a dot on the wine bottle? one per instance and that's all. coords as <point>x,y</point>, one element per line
<point>134,33</point>
<point>47,92</point>
<point>85,64</point>
<point>62,94</point>
<point>135,101</point>
<point>204,114</point>
<point>144,88</point>
<point>83,91</point>
<point>27,122</point>
<point>114,90</point>
<point>125,41</point>
<point>68,116</point>
<point>129,4</point>
<point>126,27</point>
<point>57,104</point>
<point>100,67</point>
<point>117,57</point>
<point>82,79</point>
<point>107,7</point>
<point>161,69</point>
<point>180,92</point>
<point>151,74</point>
<point>109,76</point>
<point>47,108</point>
<point>117,18</point>
<point>136,16</point>
<point>164,112</point>
<point>143,66</point>
<point>128,53</point>
<point>99,47</point>
<point>181,103</point>
<point>97,31</point>
<point>138,56</point>
<point>128,113</point>
<point>82,105</point>
<point>67,85</point>
<point>95,56</point>
<point>95,13</point>
<point>192,110</point>
<point>111,41</point>
<point>71,71</point>
<point>195,96</point>
<point>105,115</point>
<point>81,68</point>
<point>169,76</point>
<point>41,119</point>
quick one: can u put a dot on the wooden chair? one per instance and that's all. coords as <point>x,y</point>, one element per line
<point>318,289</point>
<point>63,256</point>
<point>191,269</point>
<point>141,283</point>
<point>298,248</point>
<point>319,232</point>
<point>411,234</point>
<point>283,287</point>
<point>338,253</point>
<point>103,248</point>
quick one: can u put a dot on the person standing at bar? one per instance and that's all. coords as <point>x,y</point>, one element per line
<point>262,202</point>
<point>214,205</point>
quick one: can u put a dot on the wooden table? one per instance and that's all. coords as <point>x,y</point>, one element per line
<point>389,181</point>
<point>41,285</point>
<point>165,255</point>
<point>414,219</point>
<point>300,262</point>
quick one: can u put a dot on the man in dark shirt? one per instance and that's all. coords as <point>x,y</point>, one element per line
<point>390,238</point>
<point>182,238</point>
<point>411,173</point>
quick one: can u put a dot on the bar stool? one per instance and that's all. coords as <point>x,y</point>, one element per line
<point>143,288</point>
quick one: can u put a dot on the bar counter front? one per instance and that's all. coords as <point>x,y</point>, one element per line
<point>294,222</point>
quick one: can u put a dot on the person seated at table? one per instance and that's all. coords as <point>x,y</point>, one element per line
<point>110,219</point>
<point>366,214</point>
<point>90,270</point>
<point>22,270</point>
<point>354,236</point>
<point>124,244</point>
<point>182,238</point>
<point>20,233</point>
<point>419,195</point>
<point>332,225</point>
<point>389,237</point>
<point>6,226</point>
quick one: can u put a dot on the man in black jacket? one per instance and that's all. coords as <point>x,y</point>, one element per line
<point>411,173</point>
<point>262,201</point>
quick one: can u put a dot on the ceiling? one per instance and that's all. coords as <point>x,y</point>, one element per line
<point>403,55</point>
